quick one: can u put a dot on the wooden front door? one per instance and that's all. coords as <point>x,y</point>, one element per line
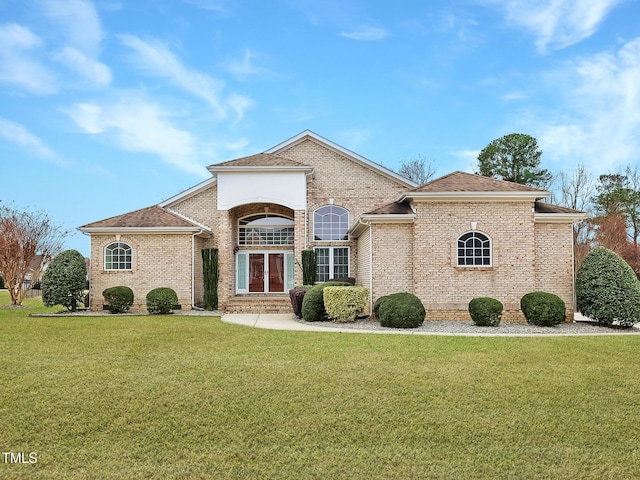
<point>266,272</point>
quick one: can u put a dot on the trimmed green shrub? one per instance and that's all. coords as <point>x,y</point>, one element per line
<point>343,304</point>
<point>297,296</point>
<point>161,300</point>
<point>543,309</point>
<point>1,282</point>
<point>485,311</point>
<point>119,299</point>
<point>211,274</point>
<point>401,310</point>
<point>607,290</point>
<point>64,280</point>
<point>309,267</point>
<point>313,302</point>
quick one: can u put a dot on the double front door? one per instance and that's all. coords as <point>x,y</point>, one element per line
<point>264,272</point>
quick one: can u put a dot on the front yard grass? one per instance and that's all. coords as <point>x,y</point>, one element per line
<point>167,397</point>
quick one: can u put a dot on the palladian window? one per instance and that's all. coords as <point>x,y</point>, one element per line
<point>259,230</point>
<point>330,223</point>
<point>474,250</point>
<point>117,256</point>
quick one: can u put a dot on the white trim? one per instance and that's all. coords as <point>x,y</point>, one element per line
<point>470,196</point>
<point>559,217</point>
<point>265,274</point>
<point>379,218</point>
<point>331,263</point>
<point>104,257</point>
<point>313,221</point>
<point>184,217</point>
<point>189,192</point>
<point>343,151</point>
<point>142,230</point>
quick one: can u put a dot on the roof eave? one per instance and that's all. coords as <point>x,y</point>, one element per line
<point>472,196</point>
<point>559,217</point>
<point>144,230</point>
<point>262,168</point>
<point>368,219</point>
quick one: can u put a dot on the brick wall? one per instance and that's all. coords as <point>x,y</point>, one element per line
<point>445,288</point>
<point>554,262</point>
<point>157,261</point>
<point>392,259</point>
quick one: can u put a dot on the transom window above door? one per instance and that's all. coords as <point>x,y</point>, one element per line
<point>265,230</point>
<point>331,223</point>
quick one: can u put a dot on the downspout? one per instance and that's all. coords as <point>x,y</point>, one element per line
<point>573,271</point>
<point>368,224</point>
<point>193,268</point>
<point>90,266</point>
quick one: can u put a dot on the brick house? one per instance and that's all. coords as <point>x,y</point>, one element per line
<point>455,238</point>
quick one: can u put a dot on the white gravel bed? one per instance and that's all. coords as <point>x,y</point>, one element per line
<point>467,327</point>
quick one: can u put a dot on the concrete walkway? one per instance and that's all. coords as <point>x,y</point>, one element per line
<point>272,321</point>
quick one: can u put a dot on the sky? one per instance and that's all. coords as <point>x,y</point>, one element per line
<point>108,106</point>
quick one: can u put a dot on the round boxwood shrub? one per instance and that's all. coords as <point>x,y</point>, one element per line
<point>607,290</point>
<point>400,310</point>
<point>485,311</point>
<point>161,300</point>
<point>119,299</point>
<point>543,309</point>
<point>313,303</point>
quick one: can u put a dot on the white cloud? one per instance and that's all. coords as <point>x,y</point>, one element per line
<point>602,112</point>
<point>18,134</point>
<point>79,25</point>
<point>97,73</point>
<point>155,59</point>
<point>557,23</point>
<point>18,65</point>
<point>138,125</point>
<point>367,33</point>
<point>79,22</point>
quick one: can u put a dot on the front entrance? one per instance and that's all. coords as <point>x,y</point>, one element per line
<point>264,272</point>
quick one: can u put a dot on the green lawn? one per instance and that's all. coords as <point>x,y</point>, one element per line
<point>190,397</point>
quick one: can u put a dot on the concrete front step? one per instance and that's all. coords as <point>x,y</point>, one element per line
<point>259,304</point>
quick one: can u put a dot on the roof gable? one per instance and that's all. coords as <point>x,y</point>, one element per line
<point>309,135</point>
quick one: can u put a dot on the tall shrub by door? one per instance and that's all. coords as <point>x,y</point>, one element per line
<point>211,274</point>
<point>309,266</point>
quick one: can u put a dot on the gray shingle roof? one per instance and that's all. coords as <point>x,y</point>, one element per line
<point>149,217</point>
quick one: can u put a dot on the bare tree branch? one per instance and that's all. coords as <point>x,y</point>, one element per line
<point>23,236</point>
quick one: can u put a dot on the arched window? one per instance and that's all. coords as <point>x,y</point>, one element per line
<point>265,230</point>
<point>474,250</point>
<point>117,256</point>
<point>331,222</point>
